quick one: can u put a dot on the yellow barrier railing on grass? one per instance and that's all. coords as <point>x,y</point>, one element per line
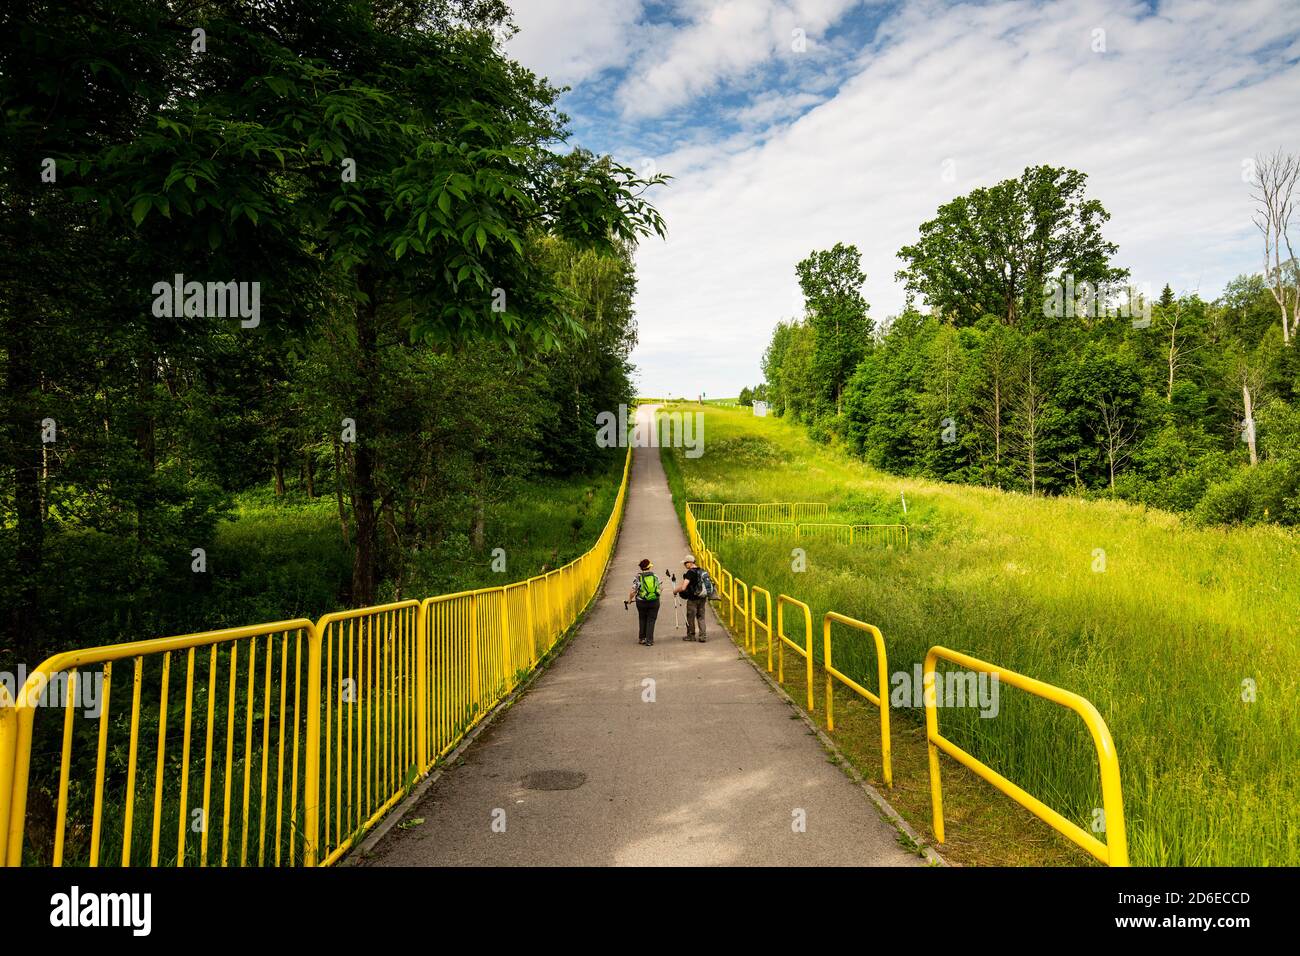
<point>293,737</point>
<point>231,778</point>
<point>880,699</point>
<point>705,510</point>
<point>755,623</point>
<point>744,606</point>
<point>805,652</point>
<point>1115,851</point>
<point>771,530</point>
<point>370,728</point>
<point>713,531</point>
<point>784,511</point>
<point>839,533</point>
<point>892,534</point>
<point>727,589</point>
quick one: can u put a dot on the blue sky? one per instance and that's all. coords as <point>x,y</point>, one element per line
<point>884,111</point>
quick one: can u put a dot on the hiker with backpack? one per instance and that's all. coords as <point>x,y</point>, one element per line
<point>645,592</point>
<point>696,588</point>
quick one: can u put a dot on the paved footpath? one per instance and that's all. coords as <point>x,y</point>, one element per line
<point>712,772</point>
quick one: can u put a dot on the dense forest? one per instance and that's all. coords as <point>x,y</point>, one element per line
<point>335,253</point>
<point>1038,365</point>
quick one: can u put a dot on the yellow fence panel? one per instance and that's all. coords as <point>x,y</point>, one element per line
<point>838,533</point>
<point>771,530</point>
<point>706,510</point>
<point>779,511</point>
<point>880,699</point>
<point>716,522</point>
<point>804,510</point>
<point>1115,850</point>
<point>890,535</point>
<point>755,623</point>
<point>369,729</point>
<point>805,651</point>
<point>232,702</point>
<point>743,605</point>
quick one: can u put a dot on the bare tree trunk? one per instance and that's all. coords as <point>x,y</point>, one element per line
<point>1276,177</point>
<point>1250,424</point>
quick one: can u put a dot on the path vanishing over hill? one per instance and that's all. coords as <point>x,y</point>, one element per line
<point>712,772</point>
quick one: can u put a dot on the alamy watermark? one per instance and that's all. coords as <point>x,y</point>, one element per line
<point>52,691</point>
<point>78,908</point>
<point>1066,298</point>
<point>663,430</point>
<point>220,300</point>
<point>951,689</point>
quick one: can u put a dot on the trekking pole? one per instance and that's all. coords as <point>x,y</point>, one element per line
<point>676,625</point>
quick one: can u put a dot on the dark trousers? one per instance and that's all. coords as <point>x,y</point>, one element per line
<point>646,612</point>
<point>695,608</point>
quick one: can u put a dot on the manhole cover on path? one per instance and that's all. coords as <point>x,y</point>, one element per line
<point>554,780</point>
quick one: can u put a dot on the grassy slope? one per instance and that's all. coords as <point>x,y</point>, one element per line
<point>1160,641</point>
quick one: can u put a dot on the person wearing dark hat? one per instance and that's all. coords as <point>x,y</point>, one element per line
<point>645,592</point>
<point>691,589</point>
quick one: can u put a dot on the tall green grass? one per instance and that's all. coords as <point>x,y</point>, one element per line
<point>1165,641</point>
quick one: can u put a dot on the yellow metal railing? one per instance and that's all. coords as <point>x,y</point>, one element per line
<point>713,531</point>
<point>8,741</point>
<point>261,689</point>
<point>367,748</point>
<point>880,699</point>
<point>742,605</point>
<point>1114,851</point>
<point>276,744</point>
<point>805,652</point>
<point>785,511</point>
<point>779,511</point>
<point>755,623</point>
<point>891,534</point>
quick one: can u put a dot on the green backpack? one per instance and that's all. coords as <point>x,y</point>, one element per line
<point>647,587</point>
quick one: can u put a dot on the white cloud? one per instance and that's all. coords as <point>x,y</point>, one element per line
<point>573,40</point>
<point>774,109</point>
<point>1160,122</point>
<point>724,40</point>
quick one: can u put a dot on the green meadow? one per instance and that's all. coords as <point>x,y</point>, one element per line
<point>1185,638</point>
